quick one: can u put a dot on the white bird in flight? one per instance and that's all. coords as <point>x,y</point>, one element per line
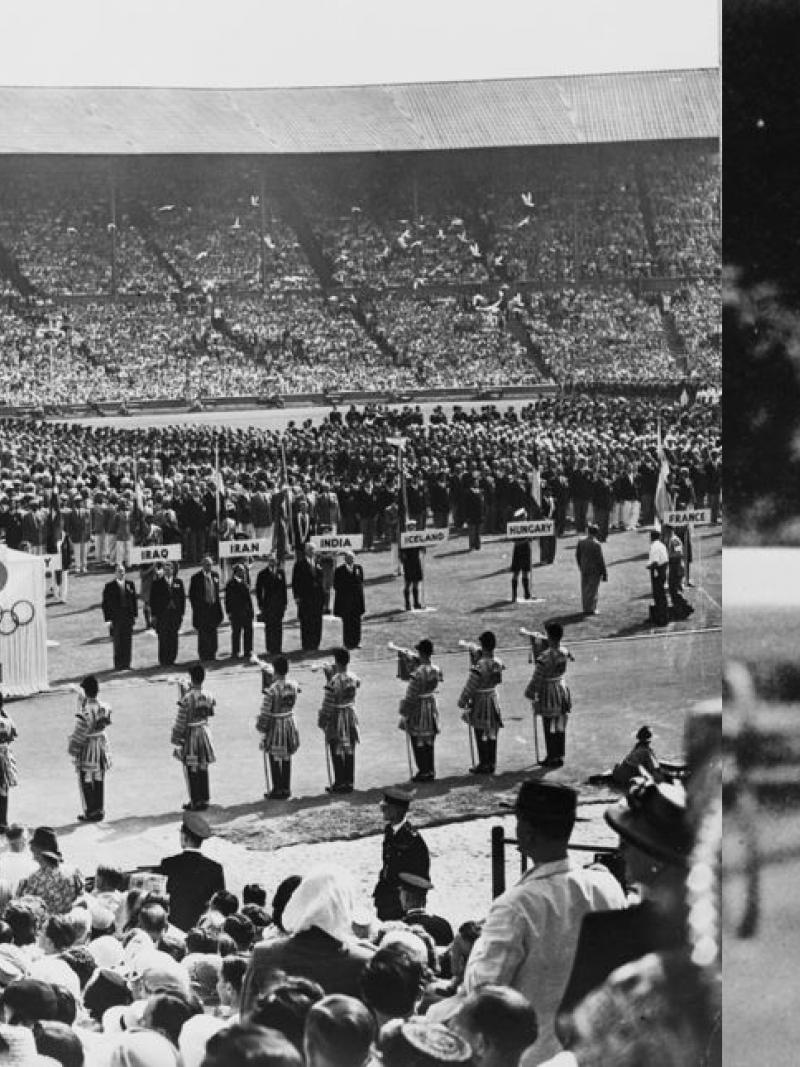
<point>255,200</point>
<point>269,242</point>
<point>236,225</point>
<point>523,222</point>
<point>201,255</point>
<point>167,207</point>
<point>527,199</point>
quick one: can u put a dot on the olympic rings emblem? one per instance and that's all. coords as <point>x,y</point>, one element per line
<point>19,614</point>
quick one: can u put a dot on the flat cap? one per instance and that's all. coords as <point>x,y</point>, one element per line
<point>194,822</point>
<point>395,795</point>
<point>415,881</point>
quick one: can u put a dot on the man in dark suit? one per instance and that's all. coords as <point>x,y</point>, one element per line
<point>592,565</point>
<point>348,599</point>
<point>167,606</point>
<point>119,611</point>
<point>206,609</point>
<point>404,851</point>
<point>413,898</point>
<point>192,878</point>
<point>271,597</point>
<point>310,597</point>
<point>239,606</point>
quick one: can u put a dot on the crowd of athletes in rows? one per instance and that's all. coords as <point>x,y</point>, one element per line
<point>596,458</point>
<point>375,295</point>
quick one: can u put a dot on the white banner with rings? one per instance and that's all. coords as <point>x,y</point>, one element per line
<point>23,624</point>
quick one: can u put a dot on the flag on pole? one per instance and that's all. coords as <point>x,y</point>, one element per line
<point>662,501</point>
<point>218,480</point>
<point>536,479</point>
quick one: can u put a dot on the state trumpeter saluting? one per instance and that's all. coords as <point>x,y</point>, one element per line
<point>339,722</point>
<point>191,738</point>
<point>479,701</point>
<point>419,712</point>
<point>276,723</point>
<point>89,749</point>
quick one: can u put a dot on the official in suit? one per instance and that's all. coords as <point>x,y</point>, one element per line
<point>592,565</point>
<point>120,611</point>
<point>413,899</point>
<point>239,606</point>
<point>348,599</point>
<point>192,878</point>
<point>207,614</point>
<point>404,851</point>
<point>310,598</point>
<point>167,605</point>
<point>272,598</point>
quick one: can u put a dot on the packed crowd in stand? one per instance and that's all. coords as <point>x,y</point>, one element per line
<point>190,252</point>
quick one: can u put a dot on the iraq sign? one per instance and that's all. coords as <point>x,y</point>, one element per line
<point>688,517</point>
<point>424,538</point>
<point>255,547</point>
<point>155,553</point>
<point>526,528</point>
<point>337,542</point>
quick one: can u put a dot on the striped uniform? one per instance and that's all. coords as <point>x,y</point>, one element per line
<point>190,733</point>
<point>547,689</point>
<point>479,699</point>
<point>276,720</point>
<point>418,708</point>
<point>88,744</point>
<point>338,720</point>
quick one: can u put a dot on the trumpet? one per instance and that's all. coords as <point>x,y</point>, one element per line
<point>267,676</point>
<point>473,649</point>
<point>407,661</point>
<point>328,669</point>
<point>539,643</point>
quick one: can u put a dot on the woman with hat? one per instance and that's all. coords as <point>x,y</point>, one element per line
<point>59,887</point>
<point>641,759</point>
<point>89,749</point>
<point>550,694</point>
<point>276,722</point>
<point>656,842</point>
<point>419,713</point>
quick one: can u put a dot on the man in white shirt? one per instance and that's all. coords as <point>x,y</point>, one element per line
<point>16,862</point>
<point>657,564</point>
<point>529,938</point>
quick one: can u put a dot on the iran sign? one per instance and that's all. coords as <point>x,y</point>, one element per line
<point>255,547</point>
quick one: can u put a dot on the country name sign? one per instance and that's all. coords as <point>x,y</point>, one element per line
<point>423,538</point>
<point>155,553</point>
<point>255,547</point>
<point>531,528</point>
<point>338,542</point>
<point>688,517</point>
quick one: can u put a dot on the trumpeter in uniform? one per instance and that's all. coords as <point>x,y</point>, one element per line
<point>419,713</point>
<point>550,694</point>
<point>191,738</point>
<point>338,720</point>
<point>89,749</point>
<point>276,723</point>
<point>480,704</point>
<point>8,765</point>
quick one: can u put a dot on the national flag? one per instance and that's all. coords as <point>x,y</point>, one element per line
<point>662,501</point>
<point>536,479</point>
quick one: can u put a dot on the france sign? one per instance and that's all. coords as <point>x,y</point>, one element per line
<point>688,517</point>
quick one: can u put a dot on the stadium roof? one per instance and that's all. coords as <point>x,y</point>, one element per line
<point>578,110</point>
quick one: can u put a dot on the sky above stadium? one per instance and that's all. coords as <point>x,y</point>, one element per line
<point>264,43</point>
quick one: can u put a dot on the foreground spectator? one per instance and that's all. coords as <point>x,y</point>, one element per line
<point>339,1033</point>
